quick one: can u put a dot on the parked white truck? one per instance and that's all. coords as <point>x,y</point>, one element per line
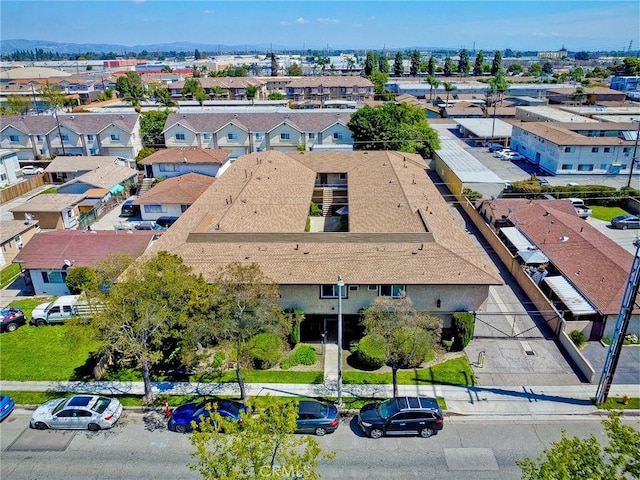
<point>64,307</point>
<point>581,209</point>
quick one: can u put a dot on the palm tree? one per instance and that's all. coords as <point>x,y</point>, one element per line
<point>449,87</point>
<point>433,83</point>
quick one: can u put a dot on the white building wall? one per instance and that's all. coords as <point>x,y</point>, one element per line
<point>177,169</point>
<point>285,144</point>
<point>42,288</point>
<point>190,137</point>
<point>167,211</point>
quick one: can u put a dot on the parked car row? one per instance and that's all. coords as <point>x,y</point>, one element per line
<point>395,416</point>
<point>508,154</point>
<point>625,221</point>
<point>161,223</point>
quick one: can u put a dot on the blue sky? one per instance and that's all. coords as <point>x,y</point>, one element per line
<point>489,25</point>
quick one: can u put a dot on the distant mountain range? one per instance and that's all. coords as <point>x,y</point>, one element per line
<point>13,45</point>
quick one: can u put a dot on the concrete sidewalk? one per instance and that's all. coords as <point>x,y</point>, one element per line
<point>477,400</point>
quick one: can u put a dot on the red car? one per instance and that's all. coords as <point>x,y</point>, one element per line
<point>12,318</point>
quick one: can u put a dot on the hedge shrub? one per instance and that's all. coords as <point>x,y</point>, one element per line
<point>265,350</point>
<point>462,326</point>
<point>304,355</point>
<point>372,351</point>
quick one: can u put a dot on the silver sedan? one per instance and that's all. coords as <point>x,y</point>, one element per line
<point>79,412</point>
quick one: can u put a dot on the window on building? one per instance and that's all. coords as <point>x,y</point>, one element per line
<point>567,150</point>
<point>168,167</point>
<point>285,136</point>
<point>90,138</point>
<point>566,166</point>
<point>39,138</point>
<point>42,151</point>
<point>154,208</point>
<point>585,167</point>
<point>232,136</point>
<point>312,135</point>
<point>394,291</point>
<point>180,137</point>
<point>259,135</point>
<point>93,151</point>
<point>604,166</point>
<point>64,137</point>
<point>14,138</point>
<point>595,149</point>
<point>607,149</point>
<point>372,288</point>
<point>206,136</point>
<point>115,137</point>
<point>54,277</point>
<point>342,176</point>
<point>626,150</point>
<point>183,208</point>
<point>3,177</point>
<point>337,135</point>
<point>331,291</point>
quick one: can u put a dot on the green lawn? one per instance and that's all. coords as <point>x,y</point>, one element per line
<point>606,213</point>
<point>8,274</point>
<point>617,403</point>
<point>452,372</point>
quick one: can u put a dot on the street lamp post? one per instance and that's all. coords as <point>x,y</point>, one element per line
<point>340,287</point>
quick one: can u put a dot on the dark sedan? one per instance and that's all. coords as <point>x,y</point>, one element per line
<point>318,418</point>
<point>625,221</point>
<point>197,412</point>
<point>12,318</point>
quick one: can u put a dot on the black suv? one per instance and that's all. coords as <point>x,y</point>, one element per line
<point>128,209</point>
<point>166,222</point>
<point>401,416</point>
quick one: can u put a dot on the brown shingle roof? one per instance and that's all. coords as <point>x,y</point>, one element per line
<point>567,133</point>
<point>11,228</point>
<point>400,228</point>
<point>49,202</point>
<point>187,155</point>
<point>596,265</point>
<point>49,250</point>
<point>330,81</point>
<point>182,190</point>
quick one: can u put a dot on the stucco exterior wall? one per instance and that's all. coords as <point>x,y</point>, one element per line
<point>42,288</point>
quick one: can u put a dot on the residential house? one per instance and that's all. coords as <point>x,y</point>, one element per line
<point>385,230</point>
<point>110,176</point>
<point>590,95</point>
<point>48,256</point>
<point>87,134</point>
<point>227,88</point>
<point>9,167</point>
<point>258,131</point>
<point>172,162</point>
<point>333,87</point>
<point>63,169</point>
<point>14,235</point>
<point>172,197</point>
<point>577,148</point>
<point>51,210</point>
<point>587,272</point>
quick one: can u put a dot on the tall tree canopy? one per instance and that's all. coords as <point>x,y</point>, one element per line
<point>414,57</point>
<point>496,65</point>
<point>477,65</point>
<point>398,65</point>
<point>393,127</point>
<point>131,88</point>
<point>151,127</point>
<point>463,62</point>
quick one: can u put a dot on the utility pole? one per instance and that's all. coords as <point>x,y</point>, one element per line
<point>633,158</point>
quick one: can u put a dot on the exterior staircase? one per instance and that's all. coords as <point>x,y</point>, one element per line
<point>145,185</point>
<point>327,201</point>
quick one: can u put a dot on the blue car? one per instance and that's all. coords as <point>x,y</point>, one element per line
<point>6,406</point>
<point>197,412</point>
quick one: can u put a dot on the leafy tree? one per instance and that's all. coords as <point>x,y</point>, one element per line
<point>630,66</point>
<point>383,63</point>
<point>276,96</point>
<point>448,66</point>
<point>295,70</point>
<point>393,127</point>
<point>144,153</point>
<point>52,96</point>
<point>547,67</point>
<point>408,334</point>
<point>144,313</point>
<point>218,92</point>
<point>577,74</point>
<point>398,66</point>
<point>379,79</point>
<point>499,85</point>
<point>262,447</point>
<point>431,66</point>
<point>80,279</point>
<point>573,458</point>
<point>196,54</point>
<point>414,58</point>
<point>582,55</point>
<point>496,65</point>
<point>578,95</point>
<point>369,64</point>
<point>131,88</point>
<point>535,70</point>
<point>191,86</point>
<point>162,95</point>
<point>515,69</point>
<point>201,96</point>
<point>477,65</point>
<point>351,64</point>
<point>251,91</point>
<point>463,62</point>
<point>247,304</point>
<point>151,127</point>
<point>18,105</point>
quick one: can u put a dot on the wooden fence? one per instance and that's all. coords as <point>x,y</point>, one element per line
<point>22,188</point>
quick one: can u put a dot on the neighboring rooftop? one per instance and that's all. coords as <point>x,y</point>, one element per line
<point>182,190</point>
<point>49,202</point>
<point>11,228</point>
<point>187,155</point>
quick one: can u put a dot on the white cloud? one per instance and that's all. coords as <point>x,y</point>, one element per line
<point>301,21</point>
<point>208,12</point>
<point>328,21</point>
